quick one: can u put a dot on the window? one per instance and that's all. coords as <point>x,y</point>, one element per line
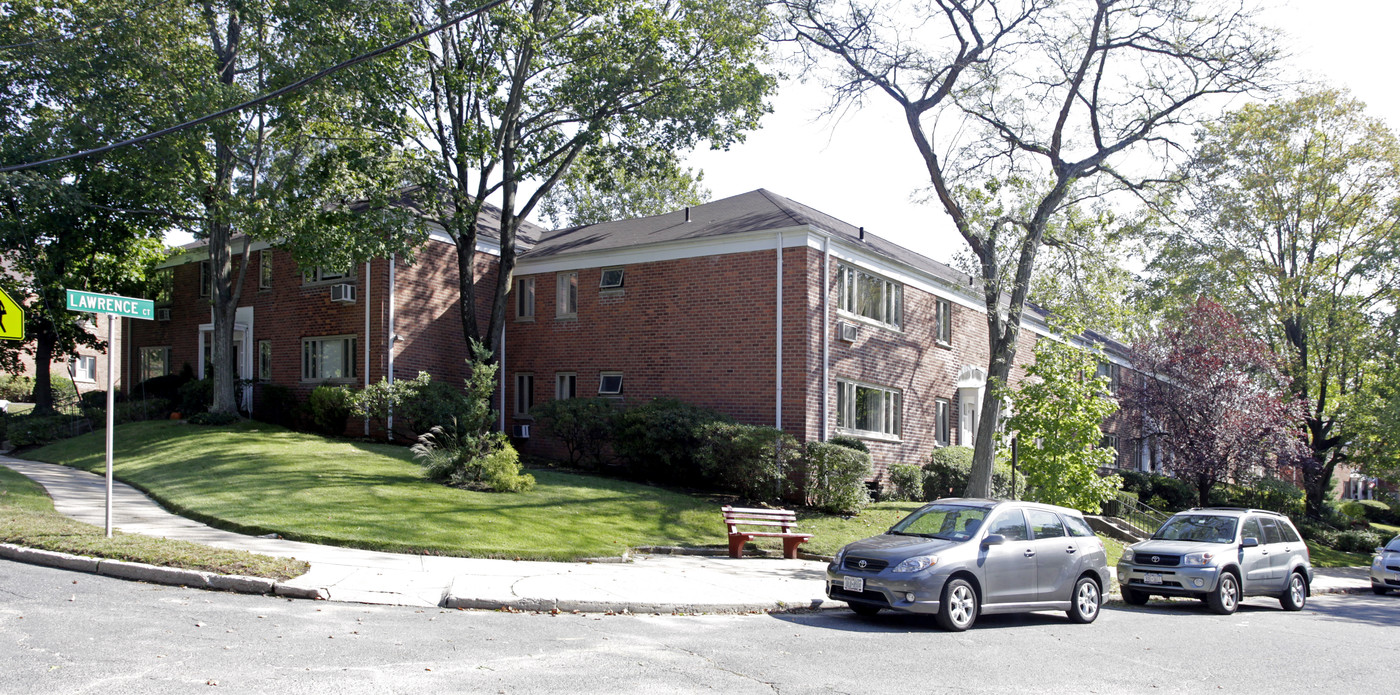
<point>1045,524</point>
<point>165,287</point>
<point>320,274</point>
<point>331,357</point>
<point>264,270</point>
<point>85,368</point>
<point>155,361</point>
<point>612,279</point>
<point>943,322</point>
<point>525,298</point>
<point>524,394</point>
<point>566,297</point>
<point>867,409</point>
<point>1078,527</point>
<point>1110,441</point>
<point>610,384</point>
<point>872,297</point>
<point>1271,532</point>
<point>1113,373</point>
<point>1251,530</point>
<point>565,385</point>
<point>942,413</point>
<point>206,279</point>
<point>1011,524</point>
<point>265,360</point>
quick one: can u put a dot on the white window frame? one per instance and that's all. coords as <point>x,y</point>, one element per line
<point>320,275</point>
<point>603,278</point>
<point>942,421</point>
<point>525,299</point>
<point>566,295</point>
<point>265,269</point>
<point>264,360</point>
<point>312,369</point>
<point>603,389</point>
<point>890,303</point>
<point>889,414</point>
<point>85,368</point>
<point>146,352</point>
<point>565,385</point>
<point>524,393</point>
<point>943,322</point>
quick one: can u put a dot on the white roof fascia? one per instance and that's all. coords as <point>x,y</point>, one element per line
<point>743,242</point>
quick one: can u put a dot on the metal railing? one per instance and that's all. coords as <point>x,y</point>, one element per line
<point>1126,506</point>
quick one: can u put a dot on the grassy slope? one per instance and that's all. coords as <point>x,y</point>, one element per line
<point>27,518</point>
<point>258,478</point>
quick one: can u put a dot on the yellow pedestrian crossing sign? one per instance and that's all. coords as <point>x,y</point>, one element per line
<point>11,318</point>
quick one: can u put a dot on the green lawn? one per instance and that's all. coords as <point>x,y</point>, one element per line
<point>1323,556</point>
<point>27,518</point>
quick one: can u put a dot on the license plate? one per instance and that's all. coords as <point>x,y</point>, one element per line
<point>1152,578</point>
<point>853,583</point>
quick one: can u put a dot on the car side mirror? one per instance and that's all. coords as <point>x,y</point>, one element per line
<point>993,539</point>
<point>1249,543</point>
<point>1380,550</point>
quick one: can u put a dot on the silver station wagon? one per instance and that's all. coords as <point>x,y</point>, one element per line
<point>960,558</point>
<point>1385,568</point>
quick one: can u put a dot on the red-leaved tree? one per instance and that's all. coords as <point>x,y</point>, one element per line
<point>1215,398</point>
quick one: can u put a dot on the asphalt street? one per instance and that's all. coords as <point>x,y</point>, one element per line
<point>64,632</point>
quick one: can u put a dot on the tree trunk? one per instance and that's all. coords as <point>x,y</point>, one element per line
<point>44,343</point>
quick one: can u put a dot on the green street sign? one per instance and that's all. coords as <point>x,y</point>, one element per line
<point>92,302</point>
<point>11,318</point>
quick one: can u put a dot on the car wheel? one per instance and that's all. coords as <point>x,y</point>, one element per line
<point>1379,590</point>
<point>1134,597</point>
<point>1296,595</point>
<point>1084,604</point>
<point>1226,597</point>
<point>958,610</point>
<point>864,610</point>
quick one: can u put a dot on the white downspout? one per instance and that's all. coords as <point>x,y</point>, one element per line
<point>778,415</point>
<point>826,337</point>
<point>366,340</point>
<point>392,338</point>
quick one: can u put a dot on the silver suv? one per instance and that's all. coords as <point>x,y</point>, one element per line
<point>1220,555</point>
<point>957,558</point>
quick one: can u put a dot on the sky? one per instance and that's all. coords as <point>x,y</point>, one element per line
<point>862,168</point>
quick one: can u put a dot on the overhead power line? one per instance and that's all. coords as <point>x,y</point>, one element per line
<point>492,4</point>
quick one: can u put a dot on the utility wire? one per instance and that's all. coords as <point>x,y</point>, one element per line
<point>492,4</point>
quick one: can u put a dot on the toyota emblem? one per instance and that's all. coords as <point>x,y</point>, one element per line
<point>861,564</point>
<point>1156,560</point>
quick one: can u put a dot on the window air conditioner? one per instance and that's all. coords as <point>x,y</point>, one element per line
<point>343,292</point>
<point>163,314</point>
<point>520,431</point>
<point>846,331</point>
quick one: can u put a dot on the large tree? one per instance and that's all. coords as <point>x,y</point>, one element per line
<point>608,184</point>
<point>507,102</point>
<point>1216,400</point>
<point>1018,108</point>
<point>1291,217</point>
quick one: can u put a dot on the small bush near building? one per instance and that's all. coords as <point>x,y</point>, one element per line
<point>906,482</point>
<point>98,399</point>
<point>329,407</point>
<point>948,468</point>
<point>1276,496</point>
<point>849,442</point>
<point>35,430</point>
<point>658,440</point>
<point>1359,541</point>
<point>196,396</point>
<point>1171,494</point>
<point>834,477</point>
<point>418,404</point>
<point>1354,511</point>
<point>277,404</point>
<point>166,387</point>
<point>752,460</point>
<point>1377,512</point>
<point>214,419</point>
<point>583,425</point>
<point>470,460</point>
<point>16,389</point>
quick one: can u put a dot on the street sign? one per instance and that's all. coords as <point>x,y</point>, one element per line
<point>111,304</point>
<point>11,318</point>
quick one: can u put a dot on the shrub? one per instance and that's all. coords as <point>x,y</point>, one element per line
<point>167,387</point>
<point>329,407</point>
<point>196,396</point>
<point>16,389</point>
<point>418,404</point>
<point>1359,541</point>
<point>501,471</point>
<point>583,425</point>
<point>1377,512</point>
<point>36,430</point>
<point>906,482</point>
<point>1318,534</point>
<point>142,410</point>
<point>948,469</point>
<point>1276,495</point>
<point>475,461</point>
<point>4,427</point>
<point>1353,510</point>
<point>834,477</point>
<point>214,419</point>
<point>278,404</point>
<point>751,460</point>
<point>849,442</point>
<point>1172,495</point>
<point>658,440</point>
<point>98,400</point>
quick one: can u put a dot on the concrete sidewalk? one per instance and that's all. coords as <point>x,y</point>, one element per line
<point>646,584</point>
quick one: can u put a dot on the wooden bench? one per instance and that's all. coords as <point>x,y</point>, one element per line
<point>783,519</point>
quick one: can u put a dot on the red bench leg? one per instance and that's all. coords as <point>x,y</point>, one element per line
<point>790,547</point>
<point>736,545</point>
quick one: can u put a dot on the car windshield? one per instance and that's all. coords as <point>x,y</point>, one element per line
<point>1206,528</point>
<point>1394,544</point>
<point>950,522</point>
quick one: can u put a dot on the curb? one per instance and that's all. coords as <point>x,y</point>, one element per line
<point>154,574</point>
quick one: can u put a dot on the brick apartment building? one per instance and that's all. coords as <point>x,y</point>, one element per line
<point>755,305</point>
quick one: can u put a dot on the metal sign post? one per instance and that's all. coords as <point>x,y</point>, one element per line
<point>113,306</point>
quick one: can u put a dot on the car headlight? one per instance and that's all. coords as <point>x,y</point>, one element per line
<point>840,555</point>
<point>1127,555</point>
<point>914,564</point>
<point>1196,559</point>
<point>1376,561</point>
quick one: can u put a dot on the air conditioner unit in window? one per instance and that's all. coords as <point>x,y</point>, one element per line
<point>163,314</point>
<point>343,292</point>
<point>520,431</point>
<point>846,331</point>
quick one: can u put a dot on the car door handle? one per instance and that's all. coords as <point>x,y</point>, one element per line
<point>1030,553</point>
<point>1263,552</point>
<point>1071,549</point>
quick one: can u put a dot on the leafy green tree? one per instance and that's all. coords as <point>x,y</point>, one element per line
<point>1068,99</point>
<point>1057,415</point>
<point>1290,219</point>
<point>598,188</point>
<point>507,102</point>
